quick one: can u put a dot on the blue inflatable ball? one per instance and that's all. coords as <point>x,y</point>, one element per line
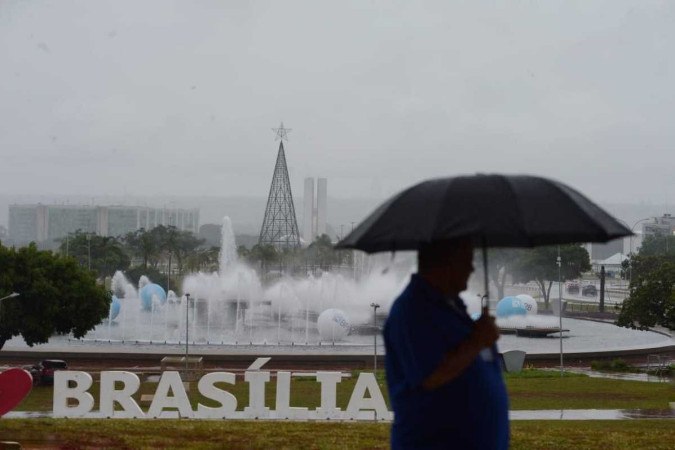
<point>115,306</point>
<point>149,291</point>
<point>511,306</point>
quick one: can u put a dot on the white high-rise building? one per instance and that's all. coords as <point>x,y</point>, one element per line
<point>314,210</point>
<point>321,205</point>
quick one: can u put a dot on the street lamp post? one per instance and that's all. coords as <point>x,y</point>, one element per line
<point>12,295</point>
<point>374,306</point>
<point>560,306</point>
<point>353,257</point>
<point>187,329</point>
<point>89,251</point>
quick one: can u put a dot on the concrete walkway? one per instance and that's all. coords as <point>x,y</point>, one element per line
<point>592,414</point>
<point>541,414</point>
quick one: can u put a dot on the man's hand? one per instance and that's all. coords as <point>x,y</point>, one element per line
<point>485,331</point>
<point>455,361</point>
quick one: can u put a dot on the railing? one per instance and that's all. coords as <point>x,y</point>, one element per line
<point>573,307</point>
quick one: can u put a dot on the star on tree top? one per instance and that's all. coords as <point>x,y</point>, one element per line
<point>281,132</point>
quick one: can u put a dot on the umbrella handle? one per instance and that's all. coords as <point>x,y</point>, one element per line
<point>484,302</point>
<point>486,296</point>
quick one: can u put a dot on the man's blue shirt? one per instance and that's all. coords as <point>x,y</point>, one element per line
<point>470,411</point>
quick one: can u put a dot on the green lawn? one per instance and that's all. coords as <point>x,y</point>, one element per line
<point>204,434</point>
<point>587,393</point>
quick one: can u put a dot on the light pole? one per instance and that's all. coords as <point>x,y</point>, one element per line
<point>12,295</point>
<point>168,275</point>
<point>560,306</point>
<point>353,257</point>
<point>187,329</point>
<point>89,251</point>
<point>374,306</point>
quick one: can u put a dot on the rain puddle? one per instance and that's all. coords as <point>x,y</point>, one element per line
<point>622,375</point>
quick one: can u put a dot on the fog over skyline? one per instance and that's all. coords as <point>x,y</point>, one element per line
<point>179,98</point>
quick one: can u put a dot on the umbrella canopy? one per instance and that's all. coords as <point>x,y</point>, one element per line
<point>493,210</point>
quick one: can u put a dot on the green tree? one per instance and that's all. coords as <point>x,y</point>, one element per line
<point>652,296</point>
<point>321,253</point>
<point>107,253</point>
<point>178,243</point>
<point>264,255</point>
<point>163,244</point>
<point>501,262</point>
<point>658,245</point>
<point>143,244</point>
<point>539,264</point>
<point>57,296</point>
<point>243,252</point>
<point>203,259</point>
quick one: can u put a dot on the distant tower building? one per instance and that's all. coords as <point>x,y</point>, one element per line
<point>314,219</point>
<point>308,231</point>
<point>280,228</point>
<point>321,205</point>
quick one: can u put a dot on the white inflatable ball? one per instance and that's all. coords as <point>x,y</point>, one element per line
<point>529,302</point>
<point>333,325</point>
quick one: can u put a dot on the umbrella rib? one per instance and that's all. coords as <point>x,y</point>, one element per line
<point>519,210</point>
<point>438,211</point>
<point>563,189</point>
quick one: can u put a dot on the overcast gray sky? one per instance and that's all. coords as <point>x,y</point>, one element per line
<point>162,97</point>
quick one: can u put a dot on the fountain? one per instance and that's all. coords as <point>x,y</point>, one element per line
<point>233,307</point>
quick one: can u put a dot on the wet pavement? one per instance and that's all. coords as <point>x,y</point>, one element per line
<point>584,337</point>
<point>542,414</point>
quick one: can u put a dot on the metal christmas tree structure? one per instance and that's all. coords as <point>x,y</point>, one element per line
<point>280,227</point>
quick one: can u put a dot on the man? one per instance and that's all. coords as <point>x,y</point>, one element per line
<point>444,377</point>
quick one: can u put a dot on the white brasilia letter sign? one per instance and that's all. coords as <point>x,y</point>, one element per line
<point>72,398</point>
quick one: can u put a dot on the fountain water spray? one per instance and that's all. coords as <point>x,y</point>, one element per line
<point>232,306</point>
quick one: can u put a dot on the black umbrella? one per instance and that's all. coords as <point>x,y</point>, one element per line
<point>492,210</point>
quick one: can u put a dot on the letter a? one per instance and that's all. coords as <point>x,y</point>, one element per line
<point>358,402</point>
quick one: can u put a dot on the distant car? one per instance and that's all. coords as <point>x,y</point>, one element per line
<point>43,372</point>
<point>589,291</point>
<point>572,288</point>
<point>32,371</point>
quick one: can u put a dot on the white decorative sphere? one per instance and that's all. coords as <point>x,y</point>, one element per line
<point>529,303</point>
<point>333,325</point>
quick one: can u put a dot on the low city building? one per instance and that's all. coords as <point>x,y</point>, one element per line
<point>44,224</point>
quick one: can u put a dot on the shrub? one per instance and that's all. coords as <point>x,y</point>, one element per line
<point>615,365</point>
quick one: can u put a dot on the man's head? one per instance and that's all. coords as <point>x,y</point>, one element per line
<point>446,264</point>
